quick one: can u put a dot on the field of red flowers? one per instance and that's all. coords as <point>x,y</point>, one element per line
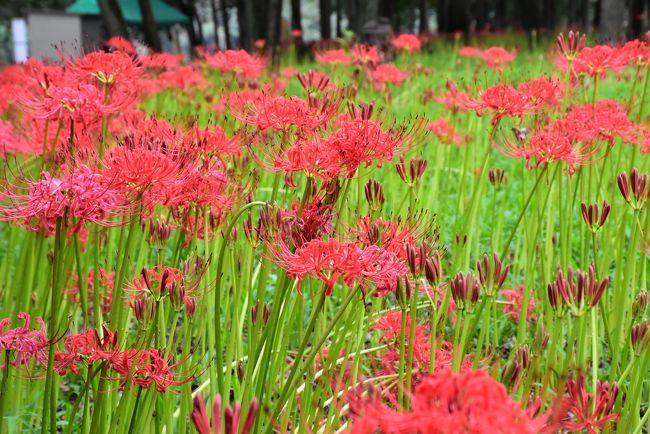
<point>428,239</point>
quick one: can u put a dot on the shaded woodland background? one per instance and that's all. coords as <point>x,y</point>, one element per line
<point>612,20</point>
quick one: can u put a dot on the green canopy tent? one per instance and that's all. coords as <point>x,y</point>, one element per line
<point>164,14</point>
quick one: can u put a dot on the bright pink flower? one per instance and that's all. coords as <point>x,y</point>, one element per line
<point>407,42</point>
<point>26,344</point>
<point>151,367</point>
<point>470,52</point>
<point>120,44</point>
<point>497,58</point>
<point>596,61</point>
<point>365,55</point>
<point>548,91</point>
<point>386,73</point>
<point>604,121</point>
<point>332,57</point>
<point>444,131</point>
<point>635,52</point>
<point>514,298</point>
<point>504,100</point>
<point>109,69</point>
<point>238,62</point>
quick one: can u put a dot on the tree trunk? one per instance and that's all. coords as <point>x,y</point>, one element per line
<point>453,16</point>
<point>214,9</point>
<point>113,19</point>
<point>339,32</point>
<point>226,23</point>
<point>273,30</point>
<point>245,17</point>
<point>612,16</point>
<point>296,15</point>
<point>325,14</point>
<point>149,27</point>
<point>637,8</point>
<point>424,16</point>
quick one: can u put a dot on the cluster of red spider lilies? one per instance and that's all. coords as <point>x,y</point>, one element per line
<point>352,245</point>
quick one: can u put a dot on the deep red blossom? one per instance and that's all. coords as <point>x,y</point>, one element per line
<point>120,44</point>
<point>365,55</point>
<point>114,69</point>
<point>445,132</point>
<point>88,347</point>
<point>604,121</point>
<point>548,91</point>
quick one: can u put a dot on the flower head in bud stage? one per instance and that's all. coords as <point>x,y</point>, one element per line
<point>497,177</point>
<point>585,411</point>
<point>593,217</point>
<point>412,173</point>
<point>492,274</point>
<point>233,415</point>
<point>635,189</point>
<point>640,337</point>
<point>465,290</point>
<point>577,292</point>
<point>571,46</point>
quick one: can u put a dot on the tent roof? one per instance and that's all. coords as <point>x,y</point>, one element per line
<point>163,13</point>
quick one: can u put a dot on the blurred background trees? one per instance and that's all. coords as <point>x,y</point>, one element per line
<point>240,23</point>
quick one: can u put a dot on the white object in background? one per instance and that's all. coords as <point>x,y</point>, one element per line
<point>19,37</point>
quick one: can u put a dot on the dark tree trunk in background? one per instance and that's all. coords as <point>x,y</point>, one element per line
<point>273,30</point>
<point>424,16</point>
<point>214,9</point>
<point>325,14</point>
<point>260,13</point>
<point>149,27</point>
<point>245,18</point>
<point>612,16</point>
<point>480,14</point>
<point>112,15</point>
<point>339,31</point>
<point>578,12</point>
<point>453,16</point>
<point>637,8</point>
<point>226,23</point>
<point>296,15</point>
<point>188,8</point>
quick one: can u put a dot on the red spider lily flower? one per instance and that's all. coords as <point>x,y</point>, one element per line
<point>289,72</point>
<point>360,140</point>
<point>548,91</point>
<point>296,33</point>
<point>407,42</point>
<point>314,157</point>
<point>185,77</point>
<point>120,44</point>
<point>470,52</point>
<point>393,236</point>
<point>87,346</point>
<point>445,402</point>
<point>578,402</point>
<point>497,58</point>
<point>162,61</point>
<point>109,69</point>
<point>239,62</point>
<point>577,292</point>
<point>164,282</point>
<point>25,343</point>
<point>299,227</point>
<point>12,142</point>
<point>280,113</point>
<point>454,99</point>
<point>504,100</point>
<point>635,52</point>
<point>150,367</point>
<point>550,145</point>
<point>231,424</point>
<point>605,120</point>
<point>148,170</point>
<point>386,73</point>
<point>365,55</point>
<point>596,61</point>
<point>332,57</point>
<point>213,138</point>
<point>444,132</point>
<point>513,301</point>
<point>315,80</point>
<point>330,260</point>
